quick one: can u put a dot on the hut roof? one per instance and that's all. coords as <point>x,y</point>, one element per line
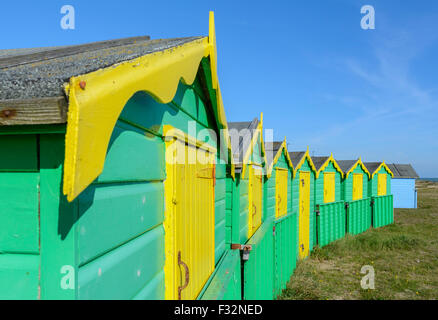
<point>403,171</point>
<point>319,161</point>
<point>94,82</point>
<point>271,149</point>
<point>296,157</point>
<point>241,135</point>
<point>346,165</point>
<point>42,72</point>
<point>372,166</point>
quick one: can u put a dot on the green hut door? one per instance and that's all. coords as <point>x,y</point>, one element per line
<point>304,211</point>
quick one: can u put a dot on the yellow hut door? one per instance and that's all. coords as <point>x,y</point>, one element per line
<point>329,187</point>
<point>281,192</point>
<point>304,211</point>
<point>357,186</point>
<point>381,184</point>
<point>255,199</point>
<point>189,219</point>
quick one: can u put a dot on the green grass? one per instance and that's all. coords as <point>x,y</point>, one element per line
<point>404,256</point>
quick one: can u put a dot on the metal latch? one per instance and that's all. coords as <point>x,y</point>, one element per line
<point>245,250</point>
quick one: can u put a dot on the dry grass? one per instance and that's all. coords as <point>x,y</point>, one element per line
<point>404,256</point>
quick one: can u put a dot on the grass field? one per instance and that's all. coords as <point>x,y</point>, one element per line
<point>404,257</point>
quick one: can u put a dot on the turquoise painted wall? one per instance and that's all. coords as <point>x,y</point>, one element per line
<point>372,183</point>
<point>114,229</point>
<point>319,184</point>
<point>271,188</point>
<point>347,185</point>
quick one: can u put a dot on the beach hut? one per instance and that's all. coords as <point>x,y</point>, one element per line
<point>114,182</point>
<point>330,207</point>
<point>252,228</point>
<point>355,195</point>
<point>279,205</point>
<point>379,189</point>
<point>403,185</point>
<point>303,200</point>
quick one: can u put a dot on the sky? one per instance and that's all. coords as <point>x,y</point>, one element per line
<point>319,78</point>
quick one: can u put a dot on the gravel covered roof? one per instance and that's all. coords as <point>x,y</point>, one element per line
<point>346,165</point>
<point>271,149</point>
<point>296,157</point>
<point>241,135</point>
<point>372,166</point>
<point>319,161</point>
<point>403,171</point>
<point>42,72</point>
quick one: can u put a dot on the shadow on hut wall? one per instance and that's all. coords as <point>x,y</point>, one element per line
<point>145,116</point>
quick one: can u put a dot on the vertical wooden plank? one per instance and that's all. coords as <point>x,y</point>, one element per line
<point>57,220</point>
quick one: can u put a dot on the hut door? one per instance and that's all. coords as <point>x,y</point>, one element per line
<point>329,187</point>
<point>381,184</point>
<point>189,219</point>
<point>357,186</point>
<point>304,209</point>
<point>255,199</point>
<point>281,192</point>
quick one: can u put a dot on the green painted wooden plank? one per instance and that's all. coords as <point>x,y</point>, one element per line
<point>143,111</point>
<point>133,156</point>
<point>226,282</point>
<point>32,129</point>
<point>359,216</point>
<point>259,269</point>
<point>285,251</point>
<point>153,290</point>
<point>19,153</point>
<point>19,276</point>
<point>110,215</point>
<point>383,211</point>
<point>125,271</point>
<point>331,222</point>
<point>19,227</point>
<point>58,231</point>
<point>187,100</point>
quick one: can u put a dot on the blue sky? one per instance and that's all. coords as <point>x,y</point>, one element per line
<point>318,77</point>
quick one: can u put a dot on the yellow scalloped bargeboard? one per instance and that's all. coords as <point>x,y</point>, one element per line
<point>94,110</point>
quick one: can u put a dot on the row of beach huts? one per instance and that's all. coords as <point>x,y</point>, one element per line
<point>120,178</point>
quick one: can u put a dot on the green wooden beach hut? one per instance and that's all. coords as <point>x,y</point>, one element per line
<point>355,195</point>
<point>251,226</point>
<point>330,207</point>
<point>279,205</point>
<point>303,200</point>
<point>379,189</point>
<point>94,194</point>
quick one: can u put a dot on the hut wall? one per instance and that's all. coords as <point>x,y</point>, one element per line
<point>347,185</point>
<point>319,185</point>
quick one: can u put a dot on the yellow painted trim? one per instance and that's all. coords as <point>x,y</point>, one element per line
<point>259,132</point>
<point>282,149</point>
<point>383,164</point>
<point>95,108</point>
<point>358,162</point>
<point>335,164</point>
<point>170,132</point>
<point>303,159</point>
